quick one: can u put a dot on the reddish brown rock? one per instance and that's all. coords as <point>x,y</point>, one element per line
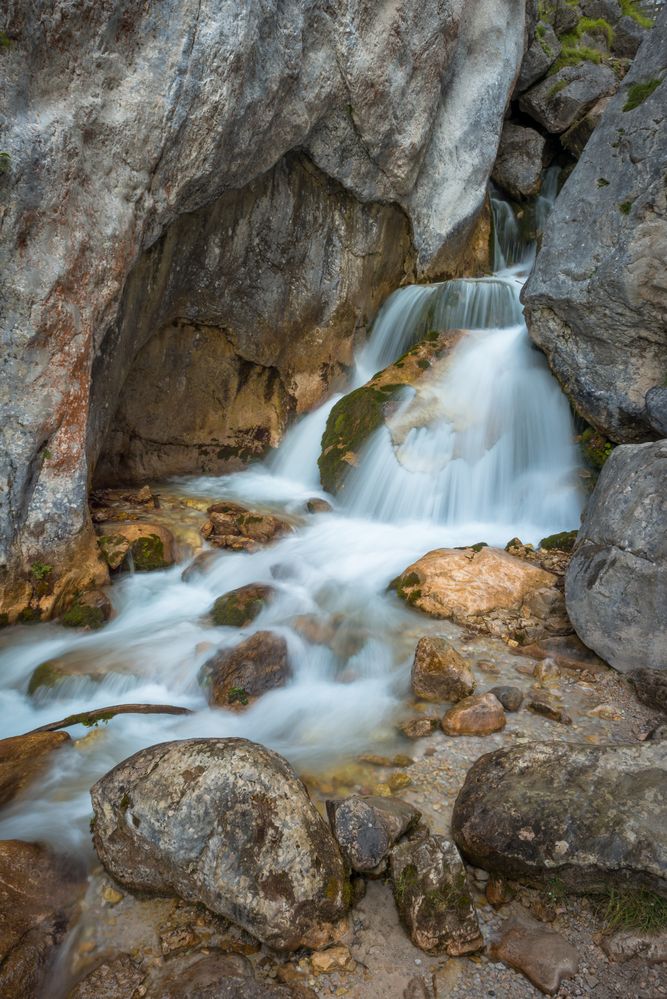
<point>539,953</point>
<point>419,728</point>
<point>23,758</point>
<point>439,673</point>
<point>480,714</point>
<point>228,521</point>
<point>240,675</point>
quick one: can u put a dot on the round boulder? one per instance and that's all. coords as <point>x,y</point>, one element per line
<point>439,673</point>
<point>227,823</point>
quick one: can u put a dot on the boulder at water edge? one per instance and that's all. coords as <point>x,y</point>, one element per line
<point>589,815</point>
<point>439,673</point>
<point>367,828</point>
<point>227,823</point>
<point>616,584</point>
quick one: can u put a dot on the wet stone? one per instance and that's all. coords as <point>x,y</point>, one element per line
<point>511,698</point>
<point>542,703</point>
<point>480,714</point>
<point>235,677</point>
<point>240,607</point>
<point>542,955</point>
<point>419,728</point>
<point>367,828</point>
<point>439,673</point>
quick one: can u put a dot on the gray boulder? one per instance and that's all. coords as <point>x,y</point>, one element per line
<point>628,36</point>
<point>539,58</point>
<point>656,409</point>
<point>616,583</point>
<point>559,101</point>
<point>518,167</point>
<point>367,828</point>
<point>596,300</point>
<point>227,823</point>
<point>589,815</point>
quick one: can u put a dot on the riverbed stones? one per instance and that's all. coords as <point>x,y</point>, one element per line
<point>227,823</point>
<point>366,828</point>
<point>521,814</point>
<point>240,607</point>
<point>511,698</point>
<point>149,546</point>
<point>543,703</point>
<point>39,893</point>
<point>561,99</point>
<point>480,714</point>
<point>439,672</point>
<point>540,953</point>
<point>237,676</point>
<point>485,590</point>
<point>231,525</point>
<point>24,757</point>
<point>432,896</point>
<point>116,978</point>
<point>519,163</point>
<point>616,584</point>
<point>419,728</point>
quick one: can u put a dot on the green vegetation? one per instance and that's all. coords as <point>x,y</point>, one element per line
<point>638,92</point>
<point>407,879</point>
<point>631,9</point>
<point>5,163</point>
<point>625,207</point>
<point>238,608</point>
<point>237,695</point>
<point>595,447</point>
<point>633,909</point>
<point>602,182</point>
<point>148,553</point>
<point>83,616</point>
<point>407,587</point>
<point>5,40</point>
<point>557,87</point>
<point>29,615</point>
<point>40,570</point>
<point>46,675</point>
<point>562,542</point>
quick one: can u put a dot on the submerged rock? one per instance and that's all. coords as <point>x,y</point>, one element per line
<point>439,673</point>
<point>240,607</point>
<point>521,813</point>
<point>227,823</point>
<point>616,584</point>
<point>538,952</point>
<point>233,526</point>
<point>240,675</point>
<point>481,714</point>
<point>419,728</point>
<point>433,898</point>
<point>366,828</point>
<point>150,546</point>
<point>24,757</point>
<point>511,698</point>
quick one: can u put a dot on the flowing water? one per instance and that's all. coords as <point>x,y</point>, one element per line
<point>481,451</point>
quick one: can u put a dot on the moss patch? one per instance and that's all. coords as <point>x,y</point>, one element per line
<point>46,675</point>
<point>148,553</point>
<point>638,92</point>
<point>239,607</point>
<point>29,615</point>
<point>595,447</point>
<point>83,616</point>
<point>562,542</point>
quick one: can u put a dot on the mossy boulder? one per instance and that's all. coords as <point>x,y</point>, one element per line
<point>239,607</point>
<point>595,448</point>
<point>235,677</point>
<point>231,525</point>
<point>360,413</point>
<point>90,610</point>
<point>561,542</point>
<point>148,546</point>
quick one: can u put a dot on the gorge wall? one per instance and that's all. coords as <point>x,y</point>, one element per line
<point>127,128</point>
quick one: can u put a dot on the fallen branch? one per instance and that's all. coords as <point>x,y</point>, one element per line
<point>105,714</point>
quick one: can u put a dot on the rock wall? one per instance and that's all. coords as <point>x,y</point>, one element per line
<point>122,117</point>
<point>596,301</point>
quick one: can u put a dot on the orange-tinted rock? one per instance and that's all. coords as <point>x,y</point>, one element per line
<point>243,673</point>
<point>24,757</point>
<point>541,954</point>
<point>229,521</point>
<point>480,714</point>
<point>439,673</point>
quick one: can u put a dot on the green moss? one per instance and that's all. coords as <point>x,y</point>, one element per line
<point>237,695</point>
<point>406,880</point>
<point>148,553</point>
<point>82,616</point>
<point>574,54</point>
<point>595,447</point>
<point>5,163</point>
<point>46,675</point>
<point>562,542</point>
<point>602,182</point>
<point>631,9</point>
<point>351,422</point>
<point>634,909</point>
<point>595,26</point>
<point>237,609</point>
<point>29,615</point>
<point>5,40</point>
<point>423,363</point>
<point>556,88</point>
<point>625,207</point>
<point>40,570</point>
<point>638,92</point>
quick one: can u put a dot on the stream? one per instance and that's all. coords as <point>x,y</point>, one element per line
<point>482,451</point>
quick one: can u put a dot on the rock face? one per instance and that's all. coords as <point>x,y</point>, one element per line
<point>598,268</point>
<point>433,898</point>
<point>38,899</point>
<point>367,828</point>
<point>561,99</point>
<point>239,675</point>
<point>439,673</point>
<point>186,108</point>
<point>227,823</point>
<point>521,813</point>
<point>616,584</point>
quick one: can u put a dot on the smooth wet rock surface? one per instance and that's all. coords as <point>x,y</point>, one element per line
<point>237,676</point>
<point>538,952</point>
<point>480,714</point>
<point>25,757</point>
<point>240,607</point>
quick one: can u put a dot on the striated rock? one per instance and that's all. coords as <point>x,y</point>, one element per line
<point>650,686</point>
<point>227,823</point>
<point>488,590</point>
<point>239,675</point>
<point>598,266</point>
<point>561,99</point>
<point>241,606</point>
<point>419,728</point>
<point>23,758</point>
<point>150,546</point>
<point>39,893</point>
<point>367,828</point>
<point>521,814</point>
<point>538,952</point>
<point>539,58</point>
<point>519,164</point>
<point>511,698</point>
<point>624,945</point>
<point>439,673</point>
<point>616,584</point>
<point>481,714</point>
<point>433,898</point>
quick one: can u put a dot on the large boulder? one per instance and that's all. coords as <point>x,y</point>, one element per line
<point>237,676</point>
<point>519,164</point>
<point>366,828</point>
<point>616,584</point>
<point>589,815</point>
<point>596,300</point>
<point>39,894</point>
<point>227,823</point>
<point>561,99</point>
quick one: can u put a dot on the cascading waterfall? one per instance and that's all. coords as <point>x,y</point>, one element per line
<point>480,451</point>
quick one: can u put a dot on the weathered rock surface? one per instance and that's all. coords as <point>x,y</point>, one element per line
<point>151,546</point>
<point>114,979</point>
<point>519,164</point>
<point>538,952</point>
<point>541,702</point>
<point>239,675</point>
<point>233,526</point>
<point>439,672</point>
<point>241,606</point>
<point>511,698</point>
<point>480,714</point>
<point>656,409</point>
<point>561,99</point>
<point>433,898</point>
<point>88,610</point>
<point>616,584</point>
<point>184,107</point>
<point>522,813</point>
<point>24,757</point>
<point>595,302</point>
<point>367,828</point>
<point>626,944</point>
<point>39,893</point>
<point>650,687</point>
<point>419,728</point>
<point>489,590</point>
<point>227,823</point>
<point>539,58</point>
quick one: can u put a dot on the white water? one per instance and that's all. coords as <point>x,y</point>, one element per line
<point>490,457</point>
